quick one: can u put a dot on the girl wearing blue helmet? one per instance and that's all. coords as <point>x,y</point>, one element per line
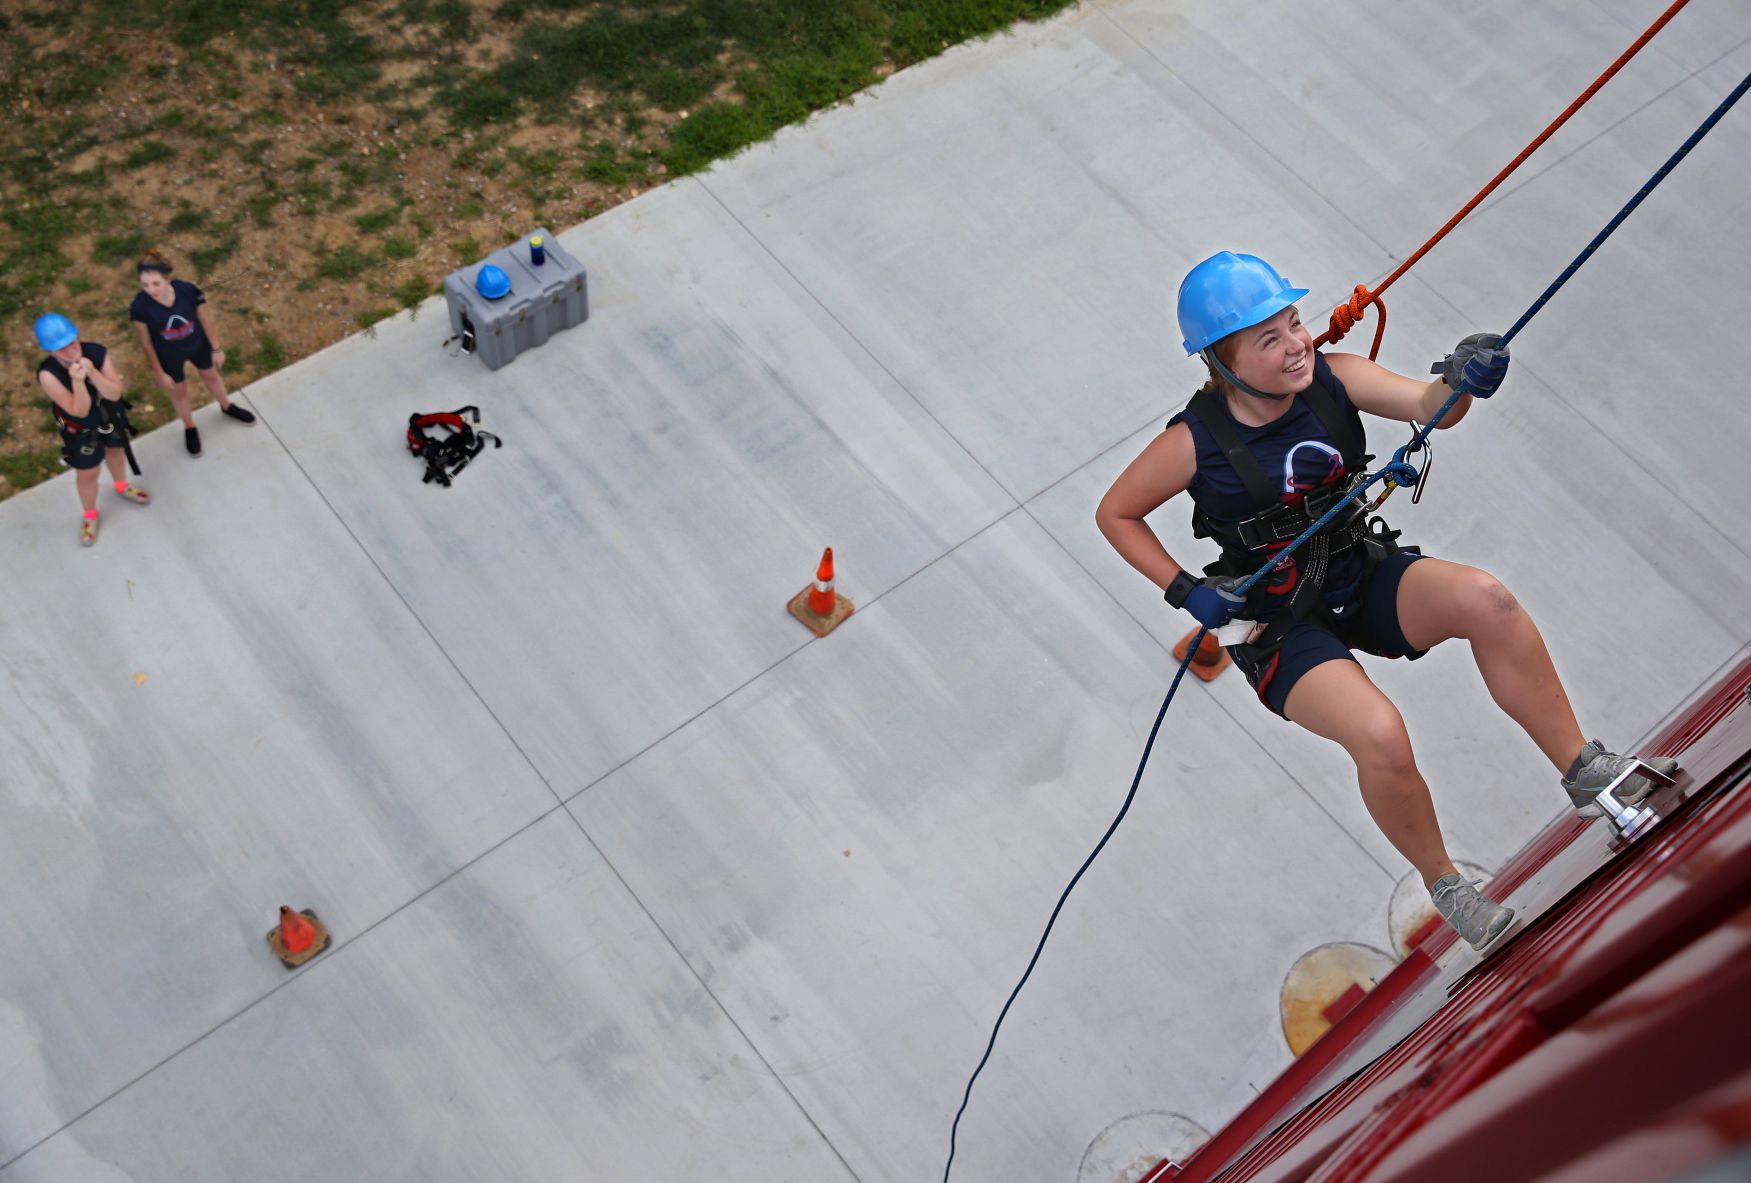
<point>1267,446</point>
<point>82,382</point>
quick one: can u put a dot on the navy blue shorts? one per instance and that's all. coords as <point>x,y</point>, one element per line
<point>1370,625</point>
<point>201,359</point>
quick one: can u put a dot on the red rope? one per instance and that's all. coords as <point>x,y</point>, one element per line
<point>1346,315</point>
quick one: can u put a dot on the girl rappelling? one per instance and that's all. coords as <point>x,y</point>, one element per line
<point>1265,448</point>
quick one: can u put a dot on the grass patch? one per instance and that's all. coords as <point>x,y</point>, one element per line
<point>379,221</point>
<point>785,59</point>
<point>309,194</point>
<point>148,152</point>
<point>24,469</point>
<point>344,262</point>
<point>185,219</point>
<point>450,19</point>
<point>368,319</point>
<point>205,258</point>
<point>261,205</point>
<point>606,166</point>
<point>398,247</point>
<point>412,292</point>
<point>481,101</point>
<point>119,248</point>
<point>270,354</point>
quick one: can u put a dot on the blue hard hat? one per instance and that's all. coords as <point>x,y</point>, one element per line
<point>492,282</point>
<point>1229,292</point>
<point>54,331</point>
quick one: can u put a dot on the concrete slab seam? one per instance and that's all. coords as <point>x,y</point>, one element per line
<point>560,803</point>
<point>1249,137</point>
<point>390,584</point>
<point>1218,703</point>
<point>1629,456</point>
<point>724,1010</point>
<point>868,603</point>
<point>868,352</point>
<point>1502,195</point>
<point>334,951</point>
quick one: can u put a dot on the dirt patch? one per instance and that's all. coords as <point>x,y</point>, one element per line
<point>303,221</point>
<point>318,165</point>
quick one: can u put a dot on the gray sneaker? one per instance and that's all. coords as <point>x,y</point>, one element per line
<point>1595,768</point>
<point>1472,914</point>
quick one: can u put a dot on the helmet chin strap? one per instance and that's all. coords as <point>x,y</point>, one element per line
<point>1229,377</point>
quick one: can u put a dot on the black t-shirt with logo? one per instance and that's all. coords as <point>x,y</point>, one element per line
<point>176,331</point>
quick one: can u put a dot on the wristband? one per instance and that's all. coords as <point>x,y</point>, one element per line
<point>1179,589</point>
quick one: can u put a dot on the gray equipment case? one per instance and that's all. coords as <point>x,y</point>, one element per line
<point>542,301</point>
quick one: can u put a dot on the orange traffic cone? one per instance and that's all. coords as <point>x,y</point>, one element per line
<point>821,593</point>
<point>1211,658</point>
<point>818,605</point>
<point>299,937</point>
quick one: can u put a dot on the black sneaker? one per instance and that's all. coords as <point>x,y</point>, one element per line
<point>238,413</point>
<point>192,437</point>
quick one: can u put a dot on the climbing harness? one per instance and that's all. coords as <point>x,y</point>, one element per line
<point>1277,521</point>
<point>448,454</point>
<point>106,426</point>
<point>1396,473</point>
<point>1295,592</point>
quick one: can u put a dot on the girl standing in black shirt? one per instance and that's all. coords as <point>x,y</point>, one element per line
<point>170,318</point>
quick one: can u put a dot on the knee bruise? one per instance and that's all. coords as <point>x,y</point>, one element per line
<point>1498,600</point>
<point>1486,601</point>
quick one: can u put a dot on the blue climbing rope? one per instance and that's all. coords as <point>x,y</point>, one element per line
<point>1398,472</point>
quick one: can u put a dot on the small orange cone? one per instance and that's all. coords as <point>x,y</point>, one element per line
<point>818,605</point>
<point>1211,659</point>
<point>299,937</point>
<point>821,593</point>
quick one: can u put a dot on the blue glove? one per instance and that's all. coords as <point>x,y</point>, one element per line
<point>1213,601</point>
<point>1476,365</point>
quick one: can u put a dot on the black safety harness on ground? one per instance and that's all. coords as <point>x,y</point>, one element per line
<point>449,453</point>
<point>1278,523</point>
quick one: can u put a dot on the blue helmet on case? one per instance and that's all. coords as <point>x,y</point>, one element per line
<point>492,282</point>
<point>1229,292</point>
<point>54,331</point>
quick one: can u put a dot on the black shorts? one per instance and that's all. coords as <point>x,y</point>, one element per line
<point>1370,624</point>
<point>74,450</point>
<point>201,359</point>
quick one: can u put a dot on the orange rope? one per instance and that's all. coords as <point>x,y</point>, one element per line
<point>1346,315</point>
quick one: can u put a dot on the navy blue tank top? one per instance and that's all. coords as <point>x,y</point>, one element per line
<point>1295,450</point>
<point>95,354</point>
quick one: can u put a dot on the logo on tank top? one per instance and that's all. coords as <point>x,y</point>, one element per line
<point>177,328</point>
<point>1310,465</point>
